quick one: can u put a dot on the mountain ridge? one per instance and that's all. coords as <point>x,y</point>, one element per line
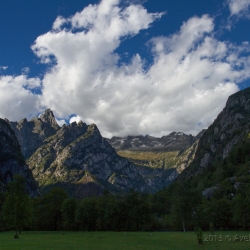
<point>31,134</point>
<point>229,129</point>
<point>95,163</point>
<point>173,141</point>
<point>77,158</point>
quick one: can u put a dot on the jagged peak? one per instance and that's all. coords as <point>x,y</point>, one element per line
<point>92,127</point>
<point>64,127</point>
<point>47,112</point>
<point>81,123</point>
<point>49,117</point>
<point>76,124</point>
<point>73,124</point>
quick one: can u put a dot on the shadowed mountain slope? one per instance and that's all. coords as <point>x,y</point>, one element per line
<point>12,161</point>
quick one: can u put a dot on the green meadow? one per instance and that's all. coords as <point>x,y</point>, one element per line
<point>121,240</point>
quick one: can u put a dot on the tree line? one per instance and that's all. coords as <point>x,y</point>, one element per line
<point>180,207</point>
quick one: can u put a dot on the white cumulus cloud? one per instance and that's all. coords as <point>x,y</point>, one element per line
<point>186,86</point>
<point>239,7</point>
<point>184,89</point>
<point>60,122</point>
<point>16,97</point>
<point>75,119</point>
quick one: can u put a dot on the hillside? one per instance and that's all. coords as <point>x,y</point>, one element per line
<point>77,158</point>
<point>229,130</point>
<point>174,151</point>
<point>213,192</point>
<point>12,161</point>
<point>80,160</point>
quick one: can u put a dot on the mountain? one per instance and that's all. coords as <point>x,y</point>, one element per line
<point>228,130</point>
<point>175,141</point>
<point>174,151</point>
<point>77,158</point>
<point>220,167</point>
<point>31,134</point>
<point>12,161</point>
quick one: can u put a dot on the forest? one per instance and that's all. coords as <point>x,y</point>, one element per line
<point>180,207</point>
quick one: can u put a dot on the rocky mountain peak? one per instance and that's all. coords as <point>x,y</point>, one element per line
<point>31,134</point>
<point>68,155</point>
<point>93,127</point>
<point>73,154</point>
<point>48,117</point>
<point>81,123</point>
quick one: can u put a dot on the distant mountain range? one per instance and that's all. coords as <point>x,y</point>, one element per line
<point>175,141</point>
<point>77,158</point>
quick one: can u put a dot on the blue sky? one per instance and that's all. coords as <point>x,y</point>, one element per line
<point>131,67</point>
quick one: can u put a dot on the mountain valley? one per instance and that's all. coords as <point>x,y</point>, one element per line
<point>77,158</point>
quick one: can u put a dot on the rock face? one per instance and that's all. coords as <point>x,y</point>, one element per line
<point>31,134</point>
<point>186,158</point>
<point>12,161</point>
<point>77,158</point>
<point>229,129</point>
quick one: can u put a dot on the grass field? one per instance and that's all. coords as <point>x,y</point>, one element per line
<point>117,240</point>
